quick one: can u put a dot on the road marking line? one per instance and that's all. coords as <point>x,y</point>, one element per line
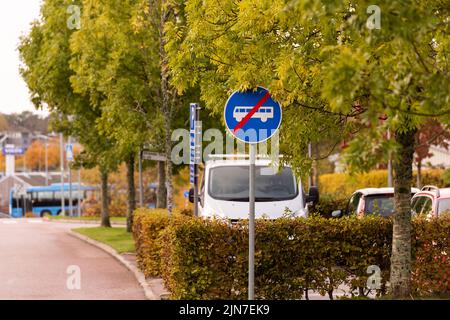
<point>10,222</point>
<point>34,221</point>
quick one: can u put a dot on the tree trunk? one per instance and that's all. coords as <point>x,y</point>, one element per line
<point>419,174</point>
<point>105,199</point>
<point>131,192</point>
<point>316,164</point>
<point>169,189</point>
<point>161,197</point>
<point>166,107</point>
<point>400,280</point>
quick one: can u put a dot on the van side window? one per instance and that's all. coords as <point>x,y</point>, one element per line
<point>353,204</point>
<point>418,204</point>
<point>427,206</point>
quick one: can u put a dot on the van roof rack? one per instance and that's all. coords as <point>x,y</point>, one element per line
<point>432,188</point>
<point>237,156</point>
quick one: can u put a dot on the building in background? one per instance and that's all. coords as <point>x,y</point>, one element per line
<point>440,158</point>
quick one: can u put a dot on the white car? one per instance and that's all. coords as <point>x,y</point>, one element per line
<point>224,190</point>
<point>369,201</point>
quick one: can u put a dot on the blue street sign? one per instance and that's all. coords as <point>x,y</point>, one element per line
<point>186,194</point>
<point>252,116</point>
<point>193,109</point>
<point>69,152</point>
<point>192,144</point>
<point>11,150</point>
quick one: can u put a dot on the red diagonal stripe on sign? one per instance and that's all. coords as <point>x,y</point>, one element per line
<point>252,112</point>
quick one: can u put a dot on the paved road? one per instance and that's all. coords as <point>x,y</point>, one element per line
<point>35,257</point>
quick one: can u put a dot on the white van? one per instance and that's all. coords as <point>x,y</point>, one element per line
<point>224,190</point>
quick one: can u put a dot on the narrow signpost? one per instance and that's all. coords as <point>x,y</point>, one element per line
<point>141,188</point>
<point>61,156</point>
<point>146,154</point>
<point>79,193</point>
<point>195,150</point>
<point>46,162</point>
<point>252,117</point>
<point>69,158</point>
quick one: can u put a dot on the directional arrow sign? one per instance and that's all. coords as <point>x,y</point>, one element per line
<point>146,155</point>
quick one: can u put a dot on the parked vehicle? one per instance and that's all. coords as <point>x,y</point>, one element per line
<point>431,201</point>
<point>369,201</point>
<point>224,190</point>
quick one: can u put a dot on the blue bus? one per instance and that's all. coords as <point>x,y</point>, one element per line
<point>46,200</point>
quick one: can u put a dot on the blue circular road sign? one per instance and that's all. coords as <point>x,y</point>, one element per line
<point>252,116</point>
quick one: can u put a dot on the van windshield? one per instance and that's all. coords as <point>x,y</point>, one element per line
<point>379,205</point>
<point>231,183</point>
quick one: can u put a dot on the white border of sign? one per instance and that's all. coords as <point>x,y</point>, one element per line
<point>231,132</point>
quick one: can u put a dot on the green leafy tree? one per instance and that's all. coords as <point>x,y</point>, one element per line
<point>117,61</point>
<point>400,71</point>
<point>226,47</point>
<point>334,73</point>
<point>159,15</point>
<point>3,123</point>
<point>46,56</point>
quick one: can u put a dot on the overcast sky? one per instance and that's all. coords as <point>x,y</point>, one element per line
<point>15,19</point>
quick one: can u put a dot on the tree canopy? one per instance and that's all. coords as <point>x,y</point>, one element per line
<point>337,68</point>
<point>342,71</point>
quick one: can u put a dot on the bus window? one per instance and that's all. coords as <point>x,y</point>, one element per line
<point>46,195</point>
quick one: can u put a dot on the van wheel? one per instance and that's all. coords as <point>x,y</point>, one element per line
<point>59,212</point>
<point>45,213</point>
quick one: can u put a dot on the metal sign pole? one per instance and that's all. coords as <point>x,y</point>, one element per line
<point>79,193</point>
<point>196,192</point>
<point>197,160</point>
<point>70,191</point>
<point>141,190</point>
<point>69,168</point>
<point>63,198</point>
<point>46,162</point>
<point>253,110</point>
<point>195,150</point>
<point>251,225</point>
<point>310,177</point>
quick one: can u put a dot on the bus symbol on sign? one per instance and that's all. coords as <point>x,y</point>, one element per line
<point>263,113</point>
<point>252,116</point>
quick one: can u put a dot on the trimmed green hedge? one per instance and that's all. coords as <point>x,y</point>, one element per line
<point>148,226</point>
<point>208,259</point>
